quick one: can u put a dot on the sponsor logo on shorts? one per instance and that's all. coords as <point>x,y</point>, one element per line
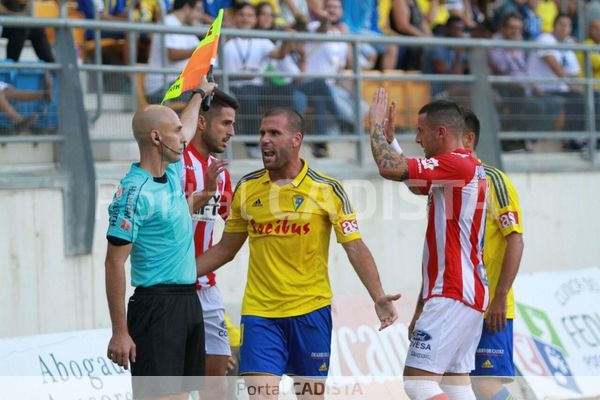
<point>490,352</point>
<point>419,355</point>
<point>319,355</point>
<point>487,364</point>
<point>419,346</point>
<point>223,329</point>
<point>416,345</point>
<point>421,335</point>
<point>323,367</point>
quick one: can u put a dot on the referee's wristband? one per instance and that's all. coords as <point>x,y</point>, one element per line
<point>396,146</point>
<point>198,90</point>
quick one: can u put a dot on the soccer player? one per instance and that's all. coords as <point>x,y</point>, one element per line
<point>287,210</point>
<point>207,183</point>
<point>501,256</point>
<point>162,334</point>
<point>448,319</point>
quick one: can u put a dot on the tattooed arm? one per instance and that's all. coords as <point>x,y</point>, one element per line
<point>391,164</point>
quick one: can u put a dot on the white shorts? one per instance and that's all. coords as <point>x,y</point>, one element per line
<point>215,329</point>
<point>445,338</point>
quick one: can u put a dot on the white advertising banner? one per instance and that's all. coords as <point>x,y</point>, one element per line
<point>557,349</point>
<point>557,332</point>
<point>65,366</point>
<point>365,362</point>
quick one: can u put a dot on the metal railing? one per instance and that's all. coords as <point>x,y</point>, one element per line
<point>357,75</point>
<point>73,142</point>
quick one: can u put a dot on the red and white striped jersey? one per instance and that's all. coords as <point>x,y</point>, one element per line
<point>452,260</point>
<point>203,220</point>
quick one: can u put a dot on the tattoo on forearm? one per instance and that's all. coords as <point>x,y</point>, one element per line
<point>385,157</point>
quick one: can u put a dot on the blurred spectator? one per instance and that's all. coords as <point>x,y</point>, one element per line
<point>276,7</point>
<point>9,93</point>
<point>316,9</point>
<point>571,8</point>
<point>211,10</point>
<point>482,11</point>
<point>532,23</point>
<point>323,109</point>
<point>149,11</point>
<point>555,63</point>
<point>293,11</point>
<point>254,94</point>
<point>179,48</point>
<point>17,36</point>
<point>447,60</point>
<point>462,8</point>
<point>593,39</point>
<point>405,18</point>
<point>265,16</point>
<point>435,13</point>
<point>332,58</point>
<point>114,10</point>
<point>547,10</point>
<point>521,107</point>
<point>118,10</point>
<point>483,30</point>
<point>362,18</point>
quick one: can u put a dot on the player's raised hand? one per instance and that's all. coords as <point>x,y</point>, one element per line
<point>212,174</point>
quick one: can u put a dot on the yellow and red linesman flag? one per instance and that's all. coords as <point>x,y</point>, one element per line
<point>199,63</point>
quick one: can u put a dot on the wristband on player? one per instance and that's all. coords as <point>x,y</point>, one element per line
<point>396,146</point>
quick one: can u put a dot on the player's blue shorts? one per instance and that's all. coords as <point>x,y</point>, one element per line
<point>494,356</point>
<point>298,345</point>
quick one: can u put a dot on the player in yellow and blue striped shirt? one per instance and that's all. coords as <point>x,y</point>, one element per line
<point>287,211</point>
<point>502,251</point>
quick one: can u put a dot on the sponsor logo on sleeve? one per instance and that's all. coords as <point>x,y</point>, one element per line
<point>508,219</point>
<point>429,163</point>
<point>349,226</point>
<point>125,225</point>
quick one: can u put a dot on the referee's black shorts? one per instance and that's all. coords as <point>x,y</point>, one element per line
<point>166,324</point>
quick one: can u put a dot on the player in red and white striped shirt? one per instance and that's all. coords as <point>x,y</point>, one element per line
<point>446,327</point>
<point>207,183</point>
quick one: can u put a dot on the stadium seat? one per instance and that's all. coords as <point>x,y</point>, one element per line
<point>33,79</point>
<point>8,76</point>
<point>46,9</point>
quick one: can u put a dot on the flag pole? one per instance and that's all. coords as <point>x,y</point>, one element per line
<point>208,99</point>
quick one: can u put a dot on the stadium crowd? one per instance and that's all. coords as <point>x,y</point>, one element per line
<point>328,104</point>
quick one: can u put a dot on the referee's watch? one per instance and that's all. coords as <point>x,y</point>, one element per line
<point>199,90</point>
